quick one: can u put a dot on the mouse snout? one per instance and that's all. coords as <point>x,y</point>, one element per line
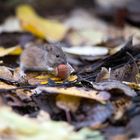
<point>62,62</point>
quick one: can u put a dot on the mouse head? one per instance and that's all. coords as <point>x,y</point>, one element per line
<point>55,55</point>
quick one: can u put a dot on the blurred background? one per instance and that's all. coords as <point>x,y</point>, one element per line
<point>117,11</point>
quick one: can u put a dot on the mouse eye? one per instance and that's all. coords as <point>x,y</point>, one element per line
<point>57,55</point>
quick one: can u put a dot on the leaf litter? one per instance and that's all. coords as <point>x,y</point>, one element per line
<point>100,100</point>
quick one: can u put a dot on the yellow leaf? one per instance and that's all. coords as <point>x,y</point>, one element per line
<point>47,29</point>
<point>44,78</point>
<point>17,51</point>
<point>6,86</point>
<point>12,51</point>
<point>73,91</point>
<point>132,85</point>
<point>67,103</point>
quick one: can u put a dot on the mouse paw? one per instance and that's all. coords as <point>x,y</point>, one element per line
<point>22,74</point>
<point>36,91</point>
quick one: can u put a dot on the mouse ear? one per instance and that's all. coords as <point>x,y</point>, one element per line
<point>48,47</point>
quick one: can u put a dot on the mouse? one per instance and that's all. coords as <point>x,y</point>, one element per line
<point>43,57</point>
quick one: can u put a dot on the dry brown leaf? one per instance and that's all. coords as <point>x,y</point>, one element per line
<point>5,72</point>
<point>132,85</point>
<point>104,74</point>
<point>109,85</point>
<point>24,94</point>
<point>6,86</point>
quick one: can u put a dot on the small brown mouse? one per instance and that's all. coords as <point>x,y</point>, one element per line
<point>43,57</point>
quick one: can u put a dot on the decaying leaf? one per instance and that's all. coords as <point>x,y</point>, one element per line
<point>6,86</point>
<point>127,72</point>
<point>44,28</point>
<point>120,107</point>
<point>113,84</point>
<point>132,85</point>
<point>5,72</point>
<point>10,51</point>
<point>104,74</point>
<point>24,94</point>
<point>73,91</point>
<point>96,115</point>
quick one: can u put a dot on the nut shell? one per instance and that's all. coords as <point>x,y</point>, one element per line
<point>62,71</point>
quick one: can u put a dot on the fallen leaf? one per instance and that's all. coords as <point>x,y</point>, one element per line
<point>114,85</point>
<point>17,51</point>
<point>73,91</point>
<point>5,72</point>
<point>96,115</point>
<point>104,74</point>
<point>132,85</point>
<point>6,86</point>
<point>120,106</point>
<point>24,94</point>
<point>116,49</point>
<point>10,25</point>
<point>43,79</point>
<point>14,126</point>
<point>44,28</point>
<point>86,50</point>
<point>10,51</point>
<point>67,103</point>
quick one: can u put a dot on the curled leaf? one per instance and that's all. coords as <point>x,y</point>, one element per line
<point>73,91</point>
<point>113,84</point>
<point>132,85</point>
